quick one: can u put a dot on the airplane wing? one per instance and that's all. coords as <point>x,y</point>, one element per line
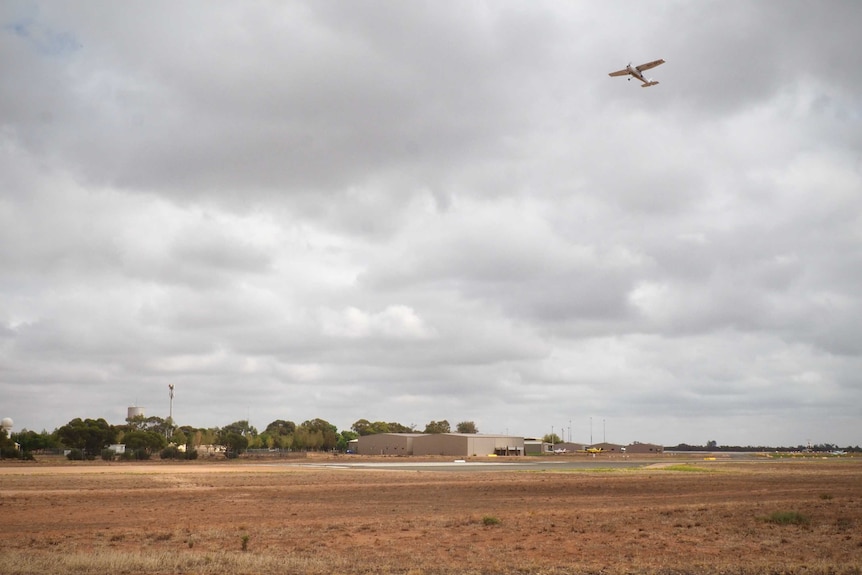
<point>649,65</point>
<point>622,72</point>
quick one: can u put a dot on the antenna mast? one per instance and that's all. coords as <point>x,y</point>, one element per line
<point>170,430</point>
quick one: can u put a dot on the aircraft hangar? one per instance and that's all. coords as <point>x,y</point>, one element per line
<point>448,444</point>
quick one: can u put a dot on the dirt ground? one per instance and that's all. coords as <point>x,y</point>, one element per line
<point>703,517</point>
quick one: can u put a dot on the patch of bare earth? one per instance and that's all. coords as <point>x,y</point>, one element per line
<point>127,518</point>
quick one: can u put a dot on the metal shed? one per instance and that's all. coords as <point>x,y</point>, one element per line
<point>386,444</point>
<point>638,447</point>
<point>468,444</point>
<point>608,447</point>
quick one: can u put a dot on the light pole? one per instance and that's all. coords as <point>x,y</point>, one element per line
<point>170,429</point>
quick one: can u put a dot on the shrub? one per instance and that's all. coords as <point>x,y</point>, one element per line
<point>75,455</point>
<point>139,454</point>
<point>171,452</point>
<point>8,452</point>
<point>788,518</point>
<point>490,520</point>
<point>107,454</point>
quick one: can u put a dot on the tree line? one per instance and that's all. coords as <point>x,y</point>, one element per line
<point>144,437</point>
<point>713,445</point>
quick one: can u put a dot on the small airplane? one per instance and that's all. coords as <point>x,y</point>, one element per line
<point>593,450</point>
<point>637,72</point>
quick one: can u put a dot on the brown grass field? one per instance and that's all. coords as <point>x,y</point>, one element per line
<point>703,517</point>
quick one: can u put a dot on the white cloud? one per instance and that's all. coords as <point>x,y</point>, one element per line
<point>394,322</point>
<point>434,211</point>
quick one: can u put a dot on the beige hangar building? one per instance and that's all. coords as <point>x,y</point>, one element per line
<point>451,444</point>
<point>386,444</point>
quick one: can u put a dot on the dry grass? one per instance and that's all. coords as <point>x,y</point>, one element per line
<point>263,520</point>
<point>102,562</point>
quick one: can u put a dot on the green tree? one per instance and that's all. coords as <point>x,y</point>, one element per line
<point>344,439</point>
<point>552,438</point>
<point>365,427</point>
<point>31,441</point>
<point>467,427</point>
<point>89,435</point>
<point>7,446</point>
<point>437,427</point>
<point>280,427</point>
<point>234,443</point>
<point>148,442</point>
<point>179,437</point>
<point>285,441</point>
<point>207,436</point>
<point>153,423</point>
<point>362,427</point>
<point>320,434</point>
<point>240,427</point>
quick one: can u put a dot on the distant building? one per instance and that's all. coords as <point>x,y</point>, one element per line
<point>537,447</point>
<point>638,447</point>
<point>468,444</point>
<point>453,444</point>
<point>608,447</point>
<point>386,444</point>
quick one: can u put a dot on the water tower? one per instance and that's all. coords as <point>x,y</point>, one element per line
<point>7,424</point>
<point>135,412</point>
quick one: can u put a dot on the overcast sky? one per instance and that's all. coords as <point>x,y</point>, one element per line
<point>415,211</point>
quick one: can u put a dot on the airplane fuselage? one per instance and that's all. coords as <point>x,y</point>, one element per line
<point>634,72</point>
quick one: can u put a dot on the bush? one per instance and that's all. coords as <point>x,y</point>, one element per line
<point>788,518</point>
<point>108,454</point>
<point>171,452</point>
<point>8,452</point>
<point>75,455</point>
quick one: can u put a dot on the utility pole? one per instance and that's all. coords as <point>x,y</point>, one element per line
<point>170,429</point>
<point>591,430</point>
<point>604,436</point>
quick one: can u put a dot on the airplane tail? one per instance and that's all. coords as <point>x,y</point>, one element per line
<point>649,83</point>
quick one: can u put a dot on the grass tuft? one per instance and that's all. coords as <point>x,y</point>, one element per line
<point>787,518</point>
<point>686,468</point>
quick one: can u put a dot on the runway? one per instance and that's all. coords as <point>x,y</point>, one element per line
<point>483,466</point>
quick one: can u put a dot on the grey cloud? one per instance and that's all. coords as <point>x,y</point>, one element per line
<point>412,210</point>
